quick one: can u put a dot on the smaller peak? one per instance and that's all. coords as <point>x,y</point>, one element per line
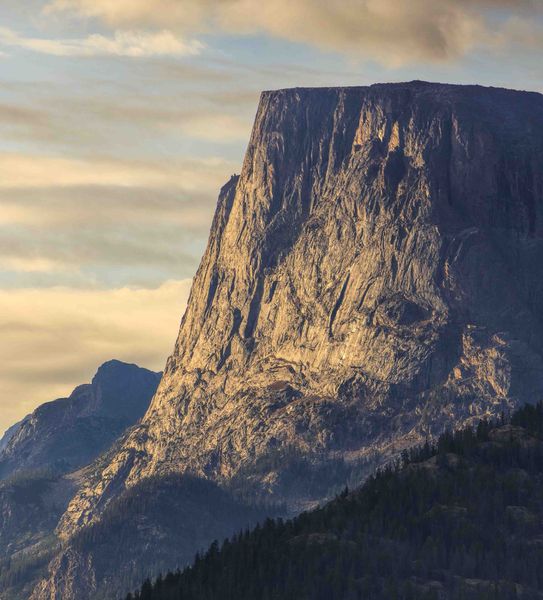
<point>115,364</point>
<point>119,365</point>
<point>114,369</point>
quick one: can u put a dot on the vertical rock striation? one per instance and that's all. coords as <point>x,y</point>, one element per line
<point>374,275</point>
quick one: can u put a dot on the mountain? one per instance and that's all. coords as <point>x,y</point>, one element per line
<point>68,433</point>
<point>41,458</point>
<point>373,276</point>
<point>459,520</point>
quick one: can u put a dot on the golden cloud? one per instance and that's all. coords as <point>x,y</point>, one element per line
<point>35,264</point>
<point>109,221</point>
<point>28,171</point>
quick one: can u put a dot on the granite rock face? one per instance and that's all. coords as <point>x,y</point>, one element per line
<point>374,275</point>
<point>68,433</point>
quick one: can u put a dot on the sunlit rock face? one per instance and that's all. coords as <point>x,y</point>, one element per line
<point>374,275</point>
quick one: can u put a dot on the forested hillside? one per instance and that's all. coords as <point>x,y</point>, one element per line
<point>459,519</point>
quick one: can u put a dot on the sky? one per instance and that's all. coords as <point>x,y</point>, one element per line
<point>121,119</point>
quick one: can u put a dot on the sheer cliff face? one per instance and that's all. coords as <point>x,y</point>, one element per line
<point>374,275</point>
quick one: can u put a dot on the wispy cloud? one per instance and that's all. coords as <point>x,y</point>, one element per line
<point>104,221</point>
<point>87,118</point>
<point>54,339</point>
<point>75,236</point>
<point>37,264</point>
<point>131,43</point>
<point>394,32</point>
<point>27,171</point>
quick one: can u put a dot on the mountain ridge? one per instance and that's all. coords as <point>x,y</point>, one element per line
<point>407,83</point>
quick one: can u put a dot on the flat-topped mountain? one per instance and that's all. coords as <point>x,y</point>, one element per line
<point>68,433</point>
<point>373,276</point>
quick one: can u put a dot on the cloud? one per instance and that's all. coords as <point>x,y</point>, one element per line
<point>26,171</point>
<point>205,117</point>
<point>37,264</point>
<point>109,255</point>
<point>124,12</point>
<point>524,34</point>
<point>93,115</point>
<point>104,222</point>
<point>216,127</point>
<point>394,32</point>
<point>53,339</point>
<point>100,206</point>
<point>131,43</point>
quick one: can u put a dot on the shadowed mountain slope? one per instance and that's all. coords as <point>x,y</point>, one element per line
<point>40,461</point>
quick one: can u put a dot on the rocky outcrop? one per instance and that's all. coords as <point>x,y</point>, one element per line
<point>68,433</point>
<point>8,434</point>
<point>373,276</point>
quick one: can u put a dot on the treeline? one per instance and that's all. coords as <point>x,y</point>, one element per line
<point>458,519</point>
